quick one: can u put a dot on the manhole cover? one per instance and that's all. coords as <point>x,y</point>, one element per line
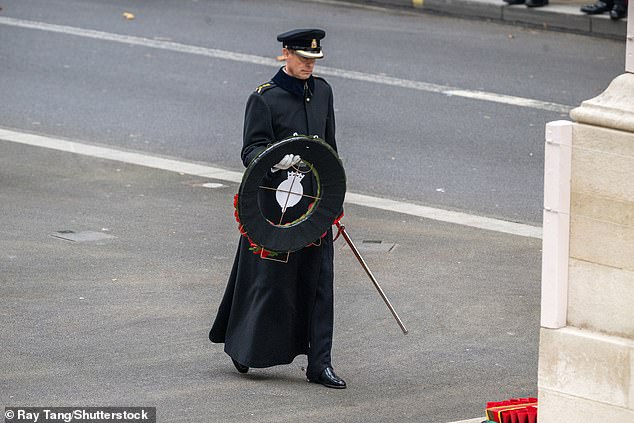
<point>84,236</point>
<point>199,183</point>
<point>372,245</point>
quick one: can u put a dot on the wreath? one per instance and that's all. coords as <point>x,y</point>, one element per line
<point>269,238</point>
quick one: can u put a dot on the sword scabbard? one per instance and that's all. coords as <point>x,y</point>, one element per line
<point>357,254</point>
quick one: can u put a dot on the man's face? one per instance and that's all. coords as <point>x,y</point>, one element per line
<point>298,66</point>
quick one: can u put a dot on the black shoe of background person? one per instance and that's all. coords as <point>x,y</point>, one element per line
<point>619,11</point>
<point>513,2</point>
<point>329,379</point>
<point>240,367</point>
<point>597,8</point>
<point>536,3</point>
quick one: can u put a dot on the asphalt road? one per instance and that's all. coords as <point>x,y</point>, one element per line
<point>123,320</point>
<point>444,151</point>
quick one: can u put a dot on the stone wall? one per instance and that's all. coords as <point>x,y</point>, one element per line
<point>586,368</point>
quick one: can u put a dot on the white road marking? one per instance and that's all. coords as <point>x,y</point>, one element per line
<point>211,172</point>
<point>265,61</point>
<point>121,156</point>
<point>442,215</point>
<point>476,420</point>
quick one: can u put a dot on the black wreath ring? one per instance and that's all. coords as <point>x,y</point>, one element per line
<point>331,188</point>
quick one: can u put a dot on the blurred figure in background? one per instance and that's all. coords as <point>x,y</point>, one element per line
<point>528,3</point>
<point>617,8</point>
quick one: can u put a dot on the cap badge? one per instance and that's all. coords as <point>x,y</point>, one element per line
<point>313,44</point>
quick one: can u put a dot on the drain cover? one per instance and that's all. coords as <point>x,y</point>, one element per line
<point>372,245</point>
<point>84,236</point>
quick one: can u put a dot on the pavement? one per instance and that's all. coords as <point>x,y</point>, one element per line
<point>112,272</point>
<point>558,15</point>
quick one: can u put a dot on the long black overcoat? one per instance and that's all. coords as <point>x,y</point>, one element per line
<point>267,314</point>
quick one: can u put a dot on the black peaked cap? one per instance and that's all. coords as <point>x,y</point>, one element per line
<point>304,41</point>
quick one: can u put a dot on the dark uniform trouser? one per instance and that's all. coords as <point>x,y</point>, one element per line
<point>322,320</point>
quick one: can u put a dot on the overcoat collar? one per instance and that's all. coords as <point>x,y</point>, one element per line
<point>293,85</point>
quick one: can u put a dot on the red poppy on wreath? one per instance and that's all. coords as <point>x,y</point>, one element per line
<point>254,248</point>
<point>258,249</point>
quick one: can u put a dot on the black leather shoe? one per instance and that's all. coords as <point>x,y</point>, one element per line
<point>618,12</point>
<point>597,8</point>
<point>240,367</point>
<point>512,2</point>
<point>536,3</point>
<point>329,379</point>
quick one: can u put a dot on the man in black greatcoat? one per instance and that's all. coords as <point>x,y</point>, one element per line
<point>273,308</point>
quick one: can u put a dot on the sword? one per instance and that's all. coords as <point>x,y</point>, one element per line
<point>342,231</point>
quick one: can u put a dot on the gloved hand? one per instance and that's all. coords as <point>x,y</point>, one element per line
<point>286,162</point>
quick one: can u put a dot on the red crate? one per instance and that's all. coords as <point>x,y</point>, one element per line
<point>514,410</point>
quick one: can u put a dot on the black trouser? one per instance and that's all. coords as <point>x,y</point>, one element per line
<point>322,319</point>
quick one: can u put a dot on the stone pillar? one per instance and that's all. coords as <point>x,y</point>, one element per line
<point>586,355</point>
